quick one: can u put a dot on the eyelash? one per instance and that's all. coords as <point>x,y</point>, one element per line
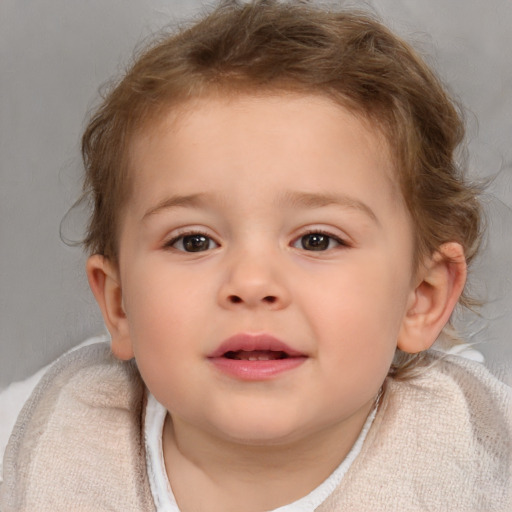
<point>173,241</point>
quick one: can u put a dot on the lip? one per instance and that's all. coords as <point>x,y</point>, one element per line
<point>256,368</point>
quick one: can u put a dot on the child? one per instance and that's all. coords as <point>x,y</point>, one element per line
<point>279,235</point>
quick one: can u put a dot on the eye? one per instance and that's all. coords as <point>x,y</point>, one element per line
<point>194,242</point>
<point>317,241</point>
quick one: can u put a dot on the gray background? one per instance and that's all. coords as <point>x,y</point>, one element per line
<point>53,56</point>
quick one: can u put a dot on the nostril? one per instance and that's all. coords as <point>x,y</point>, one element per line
<point>269,299</point>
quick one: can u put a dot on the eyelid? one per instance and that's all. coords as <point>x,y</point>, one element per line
<point>341,239</point>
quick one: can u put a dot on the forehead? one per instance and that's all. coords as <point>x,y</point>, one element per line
<point>249,138</point>
<point>205,115</point>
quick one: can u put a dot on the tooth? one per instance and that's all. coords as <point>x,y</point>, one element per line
<point>252,358</point>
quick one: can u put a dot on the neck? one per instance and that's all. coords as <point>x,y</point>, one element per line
<point>229,475</point>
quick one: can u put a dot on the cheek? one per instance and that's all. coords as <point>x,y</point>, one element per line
<point>163,326</point>
<point>153,309</point>
<point>360,315</point>
<point>154,290</point>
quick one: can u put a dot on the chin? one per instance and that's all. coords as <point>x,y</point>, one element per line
<point>263,432</point>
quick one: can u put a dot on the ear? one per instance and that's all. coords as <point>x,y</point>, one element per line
<point>440,283</point>
<point>105,284</point>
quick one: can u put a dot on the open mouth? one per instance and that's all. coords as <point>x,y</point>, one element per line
<point>256,355</point>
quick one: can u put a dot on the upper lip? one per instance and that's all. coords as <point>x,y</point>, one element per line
<point>248,342</point>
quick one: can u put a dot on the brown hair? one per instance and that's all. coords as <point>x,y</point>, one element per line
<point>267,46</point>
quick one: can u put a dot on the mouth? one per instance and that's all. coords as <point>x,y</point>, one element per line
<point>255,357</point>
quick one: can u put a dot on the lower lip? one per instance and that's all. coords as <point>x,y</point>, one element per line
<point>256,370</point>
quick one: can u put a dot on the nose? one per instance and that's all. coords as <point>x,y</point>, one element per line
<point>254,282</point>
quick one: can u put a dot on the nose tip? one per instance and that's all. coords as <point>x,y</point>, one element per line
<point>252,282</point>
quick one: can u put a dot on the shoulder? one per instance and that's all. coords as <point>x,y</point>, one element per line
<point>77,439</point>
<point>468,393</point>
<point>440,441</point>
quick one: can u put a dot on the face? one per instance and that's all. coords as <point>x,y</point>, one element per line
<point>265,266</point>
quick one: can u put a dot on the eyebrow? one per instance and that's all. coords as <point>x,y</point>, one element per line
<point>289,198</point>
<point>319,200</point>
<point>191,201</point>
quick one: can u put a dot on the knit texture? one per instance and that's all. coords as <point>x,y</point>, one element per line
<point>77,444</point>
<point>440,442</point>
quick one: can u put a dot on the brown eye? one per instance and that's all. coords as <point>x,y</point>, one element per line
<point>195,242</point>
<point>315,242</point>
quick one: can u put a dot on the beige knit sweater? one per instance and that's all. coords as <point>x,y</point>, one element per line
<point>440,442</point>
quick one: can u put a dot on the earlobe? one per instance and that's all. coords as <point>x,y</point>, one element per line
<point>432,301</point>
<point>105,284</point>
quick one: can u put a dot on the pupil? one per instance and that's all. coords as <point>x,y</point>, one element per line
<point>196,243</point>
<point>315,242</point>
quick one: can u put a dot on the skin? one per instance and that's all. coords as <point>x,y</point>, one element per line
<point>255,176</point>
